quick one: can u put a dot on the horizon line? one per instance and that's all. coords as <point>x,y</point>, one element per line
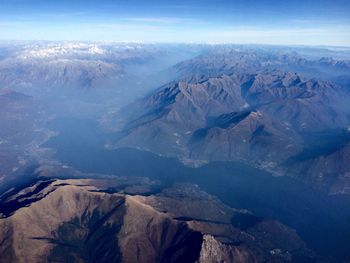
<point>147,42</point>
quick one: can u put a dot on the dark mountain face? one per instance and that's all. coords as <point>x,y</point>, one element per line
<point>77,221</point>
<point>249,113</point>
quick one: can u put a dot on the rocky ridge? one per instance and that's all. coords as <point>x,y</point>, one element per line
<point>84,221</point>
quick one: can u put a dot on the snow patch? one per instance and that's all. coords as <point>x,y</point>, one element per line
<point>95,50</point>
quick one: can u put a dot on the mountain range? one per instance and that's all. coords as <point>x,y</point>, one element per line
<point>131,152</point>
<point>237,109</point>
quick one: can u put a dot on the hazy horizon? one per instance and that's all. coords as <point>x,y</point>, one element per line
<point>171,43</point>
<point>270,22</point>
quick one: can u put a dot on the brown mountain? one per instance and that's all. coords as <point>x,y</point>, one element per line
<point>265,119</point>
<point>78,221</point>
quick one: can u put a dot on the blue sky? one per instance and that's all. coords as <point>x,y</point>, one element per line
<point>309,22</point>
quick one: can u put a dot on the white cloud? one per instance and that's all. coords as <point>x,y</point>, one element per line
<point>292,36</point>
<point>164,20</point>
<point>172,29</point>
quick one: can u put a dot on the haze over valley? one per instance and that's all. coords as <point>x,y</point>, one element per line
<point>134,152</point>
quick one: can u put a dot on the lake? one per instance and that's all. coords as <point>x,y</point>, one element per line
<point>322,221</point>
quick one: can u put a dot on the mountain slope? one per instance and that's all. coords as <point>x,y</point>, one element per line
<point>76,221</point>
<point>259,118</point>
